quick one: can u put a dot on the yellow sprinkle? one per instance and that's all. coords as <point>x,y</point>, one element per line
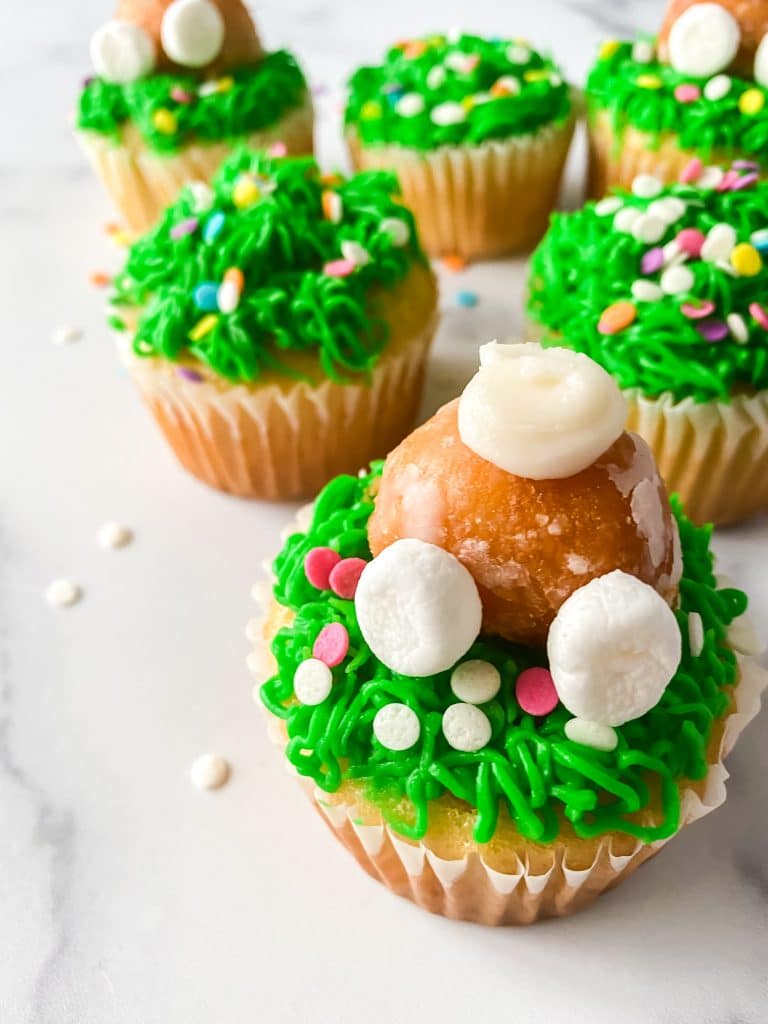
<point>649,81</point>
<point>203,326</point>
<point>246,192</point>
<point>225,84</point>
<point>165,121</point>
<point>609,47</point>
<point>468,102</point>
<point>536,75</point>
<point>370,110</point>
<point>121,238</point>
<point>752,101</point>
<point>746,260</point>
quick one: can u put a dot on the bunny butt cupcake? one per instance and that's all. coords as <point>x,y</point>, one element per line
<point>477,131</point>
<point>177,85</point>
<point>277,324</point>
<point>500,711</point>
<point>664,286</point>
<point>699,90</point>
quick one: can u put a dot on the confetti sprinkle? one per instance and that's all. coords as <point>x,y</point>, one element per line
<point>535,691</point>
<point>180,95</point>
<point>184,227</point>
<point>114,535</point>
<point>717,88</point>
<point>697,310</point>
<point>66,335</point>
<point>331,644</point>
<point>759,314</point>
<point>165,121</point>
<point>203,327</point>
<point>277,149</point>
<point>213,226</point>
<point>205,296</point>
<point>396,726</point>
<point>690,241</point>
<point>691,171</point>
<point>466,299</point>
<point>475,681</point>
<point>99,279</point>
<point>738,328</point>
<point>63,593</point>
<point>189,374</point>
<point>713,330</point>
<point>318,564</point>
<point>345,576</point>
<point>617,317</point>
<point>687,93</point>
<point>746,260</point>
<point>246,192</point>
<point>339,268</point>
<point>649,81</point>
<point>209,771</point>
<point>454,263</point>
<point>751,102</point>
<point>652,260</point>
<point>332,205</point>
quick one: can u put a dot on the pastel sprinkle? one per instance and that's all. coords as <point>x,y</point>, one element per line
<point>649,81</point>
<point>608,48</point>
<point>507,85</point>
<point>646,186</point>
<point>205,296</point>
<point>189,374</point>
<point>649,229</point>
<point>745,181</point>
<point>66,334</point>
<point>234,276</point>
<point>339,268</point>
<point>180,95</point>
<point>165,121</point>
<point>676,280</point>
<point>228,295</point>
<point>759,314</point>
<point>112,535</point>
<point>608,206</point>
<point>397,229</point>
<point>713,330</point>
<point>687,93</point>
<point>710,177</point>
<point>99,279</point>
<point>203,326</point>
<point>646,291</point>
<point>318,564</point>
<point>246,192</point>
<point>535,691</point>
<point>652,260</point>
<point>591,734</point>
<point>746,260</point>
<point>410,105</point>
<point>668,209</point>
<point>695,634</point>
<point>617,317</point>
<point>697,310</point>
<point>184,227</point>
<point>642,51</point>
<point>454,263</point>
<point>691,171</point>
<point>345,576</point>
<point>331,644</point>
<point>355,253</point>
<point>728,180</point>
<point>435,77</point>
<point>738,328</point>
<point>371,110</point>
<point>745,165</point>
<point>277,149</point>
<point>445,114</point>
<point>690,241</point>
<point>332,206</point>
<point>536,75</point>
<point>760,239</point>
<point>213,226</point>
<point>312,682</point>
<point>752,101</point>
<point>63,593</point>
<point>396,726</point>
<point>466,299</point>
<point>717,88</point>
<point>209,771</point>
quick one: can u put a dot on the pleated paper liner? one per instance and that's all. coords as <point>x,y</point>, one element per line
<point>142,182</point>
<point>477,201</point>
<point>280,438</point>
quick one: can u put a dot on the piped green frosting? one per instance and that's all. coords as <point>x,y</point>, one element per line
<point>248,99</point>
<point>585,263</point>
<point>529,767</point>
<point>615,84</point>
<point>503,87</point>
<point>280,223</point>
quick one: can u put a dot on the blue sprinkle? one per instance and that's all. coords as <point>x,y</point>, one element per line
<point>760,240</point>
<point>205,296</point>
<point>213,226</point>
<point>466,299</point>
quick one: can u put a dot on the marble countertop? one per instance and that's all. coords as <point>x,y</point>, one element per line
<point>126,895</point>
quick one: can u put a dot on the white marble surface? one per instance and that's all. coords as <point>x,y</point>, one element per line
<point>128,897</point>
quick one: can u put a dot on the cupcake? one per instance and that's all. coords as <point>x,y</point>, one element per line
<point>501,664</point>
<point>665,287</point>
<point>699,90</point>
<point>477,132</point>
<point>277,324</point>
<point>177,85</point>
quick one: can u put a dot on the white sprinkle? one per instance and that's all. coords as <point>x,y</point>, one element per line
<point>410,105</point>
<point>209,88</point>
<point>695,634</point>
<point>466,727</point>
<point>478,98</point>
<point>710,177</point>
<point>717,87</point>
<point>719,243</point>
<point>335,208</point>
<point>646,186</point>
<point>676,280</point>
<point>591,734</point>
<point>312,682</point>
<point>509,83</point>
<point>209,771</point>
<point>738,327</point>
<point>555,80</point>
<point>397,230</point>
<point>669,209</point>
<point>607,206</point>
<point>66,334</point>
<point>63,593</point>
<point>727,268</point>
<point>649,229</point>
<point>476,681</point>
<point>448,113</point>
<point>396,727</point>
<point>114,535</point>
<point>355,253</point>
<point>642,51</point>
<point>459,62</point>
<point>625,219</point>
<point>517,54</point>
<point>759,237</point>
<point>646,291</point>
<point>228,297</point>
<point>202,196</point>
<point>435,77</point>
<point>673,254</point>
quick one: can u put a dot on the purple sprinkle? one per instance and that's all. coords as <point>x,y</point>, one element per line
<point>745,165</point>
<point>652,260</point>
<point>187,374</point>
<point>713,330</point>
<point>184,227</point>
<point>744,181</point>
<point>87,80</point>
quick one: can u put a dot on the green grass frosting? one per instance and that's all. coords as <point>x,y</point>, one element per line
<point>585,263</point>
<point>247,99</point>
<point>489,88</point>
<point>643,95</point>
<point>529,767</point>
<point>283,226</point>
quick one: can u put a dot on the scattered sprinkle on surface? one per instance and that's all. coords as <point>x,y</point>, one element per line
<point>63,593</point>
<point>114,535</point>
<point>66,334</point>
<point>466,299</point>
<point>209,771</point>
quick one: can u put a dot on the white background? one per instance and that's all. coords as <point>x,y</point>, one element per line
<point>128,897</point>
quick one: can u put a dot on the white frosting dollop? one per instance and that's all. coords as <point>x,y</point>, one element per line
<point>192,32</point>
<point>541,413</point>
<point>703,40</point>
<point>418,608</point>
<point>613,648</point>
<point>122,52</point>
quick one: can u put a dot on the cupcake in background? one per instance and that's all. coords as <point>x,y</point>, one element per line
<point>477,131</point>
<point>666,287</point>
<point>699,90</point>
<point>277,324</point>
<point>178,84</point>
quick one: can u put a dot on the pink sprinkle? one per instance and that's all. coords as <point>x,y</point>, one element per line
<point>691,171</point>
<point>318,564</point>
<point>345,577</point>
<point>184,227</point>
<point>278,149</point>
<point>181,95</point>
<point>339,268</point>
<point>652,260</point>
<point>690,241</point>
<point>760,315</point>
<point>728,180</point>
<point>697,310</point>
<point>687,93</point>
<point>535,691</point>
<point>745,181</point>
<point>331,644</point>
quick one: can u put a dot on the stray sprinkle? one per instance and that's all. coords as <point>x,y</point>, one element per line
<point>66,334</point>
<point>114,535</point>
<point>466,299</point>
<point>209,771</point>
<point>63,593</point>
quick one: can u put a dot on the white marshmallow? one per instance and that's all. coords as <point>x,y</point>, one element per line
<point>591,734</point>
<point>703,40</point>
<point>719,243</point>
<point>466,727</point>
<point>761,62</point>
<point>396,726</point>
<point>122,52</point>
<point>475,681</point>
<point>192,32</point>
<point>312,681</point>
<point>613,648</point>
<point>542,413</point>
<point>418,608</point>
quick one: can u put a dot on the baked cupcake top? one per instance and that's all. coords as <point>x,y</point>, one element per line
<point>440,90</point>
<point>178,70</point>
<point>664,286</point>
<point>274,259</point>
<point>392,673</point>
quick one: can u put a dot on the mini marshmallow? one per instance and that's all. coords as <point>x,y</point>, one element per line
<point>466,727</point>
<point>396,726</point>
<point>475,681</point>
<point>613,648</point>
<point>703,40</point>
<point>192,32</point>
<point>761,62</point>
<point>418,608</point>
<point>122,52</point>
<point>541,413</point>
